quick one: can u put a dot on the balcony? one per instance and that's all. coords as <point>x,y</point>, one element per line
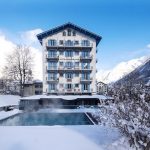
<point>86,57</point>
<point>70,44</point>
<point>52,91</point>
<point>85,80</point>
<point>50,80</point>
<point>52,57</point>
<point>52,68</point>
<point>74,68</point>
<point>87,68</point>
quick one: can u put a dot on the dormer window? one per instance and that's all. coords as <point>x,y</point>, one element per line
<point>74,33</point>
<point>69,32</point>
<point>64,33</point>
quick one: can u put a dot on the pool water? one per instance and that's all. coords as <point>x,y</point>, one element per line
<point>49,119</point>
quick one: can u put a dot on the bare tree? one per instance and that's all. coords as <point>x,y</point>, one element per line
<point>19,66</point>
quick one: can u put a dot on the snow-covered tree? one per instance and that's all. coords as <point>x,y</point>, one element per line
<point>19,66</point>
<point>130,113</point>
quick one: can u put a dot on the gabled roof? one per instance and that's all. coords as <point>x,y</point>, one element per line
<point>68,25</point>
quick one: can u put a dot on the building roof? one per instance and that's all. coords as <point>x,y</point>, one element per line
<point>68,25</point>
<point>66,97</point>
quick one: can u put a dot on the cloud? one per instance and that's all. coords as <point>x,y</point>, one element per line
<point>148,46</point>
<point>29,37</point>
<point>7,46</point>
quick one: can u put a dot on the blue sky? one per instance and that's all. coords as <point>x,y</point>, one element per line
<point>123,24</point>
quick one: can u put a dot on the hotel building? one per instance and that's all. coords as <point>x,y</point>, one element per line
<point>69,60</point>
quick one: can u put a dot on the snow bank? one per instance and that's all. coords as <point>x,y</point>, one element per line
<point>57,138</point>
<point>6,100</point>
<point>4,114</point>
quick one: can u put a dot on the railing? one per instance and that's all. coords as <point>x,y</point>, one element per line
<point>75,68</point>
<point>52,79</point>
<point>71,44</point>
<point>85,79</point>
<point>52,68</point>
<point>52,91</point>
<point>86,57</point>
<point>52,56</point>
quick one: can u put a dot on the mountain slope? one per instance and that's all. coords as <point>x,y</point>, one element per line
<point>140,74</point>
<point>121,70</point>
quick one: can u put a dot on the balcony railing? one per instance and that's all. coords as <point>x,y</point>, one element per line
<point>75,68</point>
<point>52,79</point>
<point>52,56</point>
<point>52,91</point>
<point>85,79</point>
<point>86,57</point>
<point>71,44</point>
<point>49,68</point>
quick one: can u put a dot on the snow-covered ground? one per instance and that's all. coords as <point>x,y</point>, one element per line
<point>6,100</point>
<point>60,138</point>
<point>77,137</point>
<point>6,114</point>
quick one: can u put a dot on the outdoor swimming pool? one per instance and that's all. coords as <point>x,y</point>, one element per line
<point>47,119</point>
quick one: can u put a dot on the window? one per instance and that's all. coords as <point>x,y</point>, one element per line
<point>85,43</point>
<point>61,85</point>
<point>76,74</point>
<point>74,33</point>
<point>76,53</point>
<point>52,86</point>
<point>69,75</point>
<point>76,64</point>
<point>76,42</point>
<point>69,53</point>
<point>61,64</point>
<point>52,42</point>
<point>52,53</point>
<point>69,64</point>
<point>69,32</point>
<point>85,65</point>
<point>69,43</point>
<point>85,54</point>
<point>85,76</point>
<point>69,86</point>
<point>52,65</point>
<point>76,85</point>
<point>52,76</point>
<point>61,42</point>
<point>85,86</point>
<point>61,74</point>
<point>61,53</point>
<point>64,33</point>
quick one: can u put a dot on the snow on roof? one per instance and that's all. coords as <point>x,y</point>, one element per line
<point>6,100</point>
<point>66,97</point>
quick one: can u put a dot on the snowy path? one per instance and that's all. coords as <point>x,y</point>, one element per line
<point>57,138</point>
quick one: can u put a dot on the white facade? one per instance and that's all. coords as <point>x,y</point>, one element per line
<point>69,63</point>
